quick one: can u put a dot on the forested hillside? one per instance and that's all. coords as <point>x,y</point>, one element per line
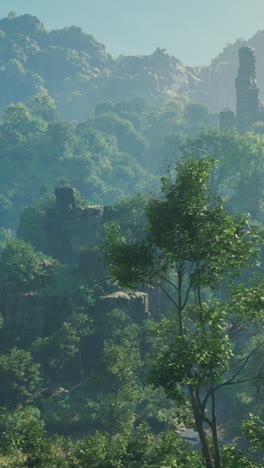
<point>78,72</point>
<point>117,152</point>
<point>131,258</point>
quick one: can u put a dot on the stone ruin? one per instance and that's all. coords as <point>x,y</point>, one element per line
<point>70,227</point>
<point>249,108</point>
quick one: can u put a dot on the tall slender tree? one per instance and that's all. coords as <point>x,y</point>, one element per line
<point>191,247</point>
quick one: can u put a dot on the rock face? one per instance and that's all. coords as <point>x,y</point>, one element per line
<point>29,315</point>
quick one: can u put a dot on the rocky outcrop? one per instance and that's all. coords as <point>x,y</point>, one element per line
<point>136,304</point>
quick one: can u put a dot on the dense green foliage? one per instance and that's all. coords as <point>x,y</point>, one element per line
<point>86,365</point>
<point>114,154</point>
<point>93,375</point>
<point>22,269</point>
<point>83,366</point>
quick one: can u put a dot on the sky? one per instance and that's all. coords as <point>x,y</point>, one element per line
<point>194,31</point>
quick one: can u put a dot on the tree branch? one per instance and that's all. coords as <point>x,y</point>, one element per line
<point>168,281</point>
<point>168,295</point>
<point>231,380</point>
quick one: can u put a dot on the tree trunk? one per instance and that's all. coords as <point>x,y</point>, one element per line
<point>215,435</point>
<point>198,417</point>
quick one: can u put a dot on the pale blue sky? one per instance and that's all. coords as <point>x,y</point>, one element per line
<point>192,30</point>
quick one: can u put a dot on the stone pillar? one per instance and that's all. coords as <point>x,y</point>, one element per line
<point>246,89</point>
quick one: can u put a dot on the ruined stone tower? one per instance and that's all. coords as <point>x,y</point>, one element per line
<point>249,108</point>
<point>70,227</point>
<point>247,92</point>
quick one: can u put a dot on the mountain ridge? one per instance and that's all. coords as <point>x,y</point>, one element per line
<point>79,73</point>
